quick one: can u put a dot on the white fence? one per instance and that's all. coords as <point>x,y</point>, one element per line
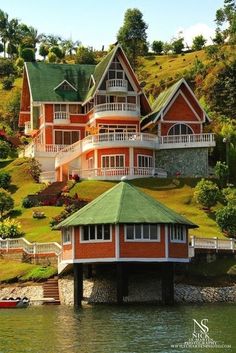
<point>9,245</point>
<point>211,244</point>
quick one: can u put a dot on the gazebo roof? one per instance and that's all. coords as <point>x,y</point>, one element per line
<point>124,204</point>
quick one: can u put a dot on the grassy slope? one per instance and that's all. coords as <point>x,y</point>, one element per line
<point>5,95</point>
<point>12,271</point>
<point>174,193</point>
<point>22,185</point>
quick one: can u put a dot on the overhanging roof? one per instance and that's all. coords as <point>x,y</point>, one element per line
<point>124,204</point>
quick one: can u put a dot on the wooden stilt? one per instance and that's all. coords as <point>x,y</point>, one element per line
<point>168,283</point>
<point>119,282</point>
<point>78,284</point>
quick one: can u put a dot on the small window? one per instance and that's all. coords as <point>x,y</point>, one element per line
<point>177,233</point>
<point>142,232</point>
<point>67,235</point>
<point>96,233</point>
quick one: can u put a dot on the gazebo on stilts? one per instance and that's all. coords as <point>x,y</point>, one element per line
<point>125,225</point>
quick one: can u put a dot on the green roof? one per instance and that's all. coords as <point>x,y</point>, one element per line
<point>124,204</point>
<point>44,78</point>
<point>160,102</point>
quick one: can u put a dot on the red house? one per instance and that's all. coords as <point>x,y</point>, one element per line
<point>95,121</point>
<point>124,225</point>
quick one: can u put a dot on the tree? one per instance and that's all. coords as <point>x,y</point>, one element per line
<point>13,110</point>
<point>57,51</point>
<point>132,35</point>
<point>226,16</point>
<point>206,193</point>
<point>6,202</point>
<point>28,54</point>
<point>43,50</point>
<point>226,220</point>
<point>198,42</point>
<point>52,58</point>
<point>4,149</point>
<point>178,45</point>
<point>69,46</point>
<point>85,55</point>
<point>157,46</point>
<point>3,29</point>
<point>167,48</point>
<point>212,52</point>
<point>222,172</point>
<point>34,168</point>
<point>5,180</point>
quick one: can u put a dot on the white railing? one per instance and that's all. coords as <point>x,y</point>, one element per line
<point>127,107</point>
<point>61,116</point>
<point>117,84</point>
<point>120,136</point>
<point>188,140</point>
<point>101,173</point>
<point>50,148</point>
<point>212,244</point>
<point>8,244</point>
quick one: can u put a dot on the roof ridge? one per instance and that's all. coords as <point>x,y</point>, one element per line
<point>121,199</point>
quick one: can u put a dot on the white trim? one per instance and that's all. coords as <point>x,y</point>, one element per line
<point>67,232</point>
<point>174,241</point>
<point>55,102</point>
<point>180,123</point>
<point>27,75</point>
<point>67,83</point>
<point>166,241</point>
<point>73,242</point>
<point>126,259</point>
<point>143,240</point>
<point>94,240</point>
<point>117,240</point>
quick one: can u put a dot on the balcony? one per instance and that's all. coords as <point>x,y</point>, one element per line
<point>28,128</point>
<point>183,141</point>
<point>116,109</point>
<point>117,86</point>
<point>117,173</point>
<point>61,118</point>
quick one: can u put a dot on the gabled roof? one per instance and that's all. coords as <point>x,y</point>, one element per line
<point>44,77</point>
<point>124,204</point>
<point>163,100</point>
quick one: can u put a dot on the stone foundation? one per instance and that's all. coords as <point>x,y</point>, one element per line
<point>189,162</point>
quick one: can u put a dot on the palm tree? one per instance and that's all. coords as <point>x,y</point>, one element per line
<point>3,29</point>
<point>69,46</point>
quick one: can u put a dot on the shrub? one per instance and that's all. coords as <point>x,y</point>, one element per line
<point>6,202</point>
<point>226,220</point>
<point>6,67</point>
<point>34,169</point>
<point>10,228</point>
<point>28,54</point>
<point>222,172</point>
<point>5,180</point>
<point>7,83</point>
<point>206,193</point>
<point>27,203</point>
<point>4,149</point>
<point>229,196</point>
<point>52,58</point>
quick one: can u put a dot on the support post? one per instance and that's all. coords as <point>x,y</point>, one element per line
<point>78,284</point>
<point>167,283</point>
<point>119,282</point>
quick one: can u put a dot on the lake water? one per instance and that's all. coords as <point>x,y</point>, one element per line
<point>114,329</point>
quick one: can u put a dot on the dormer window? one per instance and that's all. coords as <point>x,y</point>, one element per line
<point>65,86</point>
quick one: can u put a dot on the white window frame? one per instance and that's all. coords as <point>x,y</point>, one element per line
<point>175,235</point>
<point>109,156</point>
<point>71,131</point>
<point>149,158</point>
<point>95,240</point>
<point>67,235</point>
<point>142,239</point>
<point>133,128</point>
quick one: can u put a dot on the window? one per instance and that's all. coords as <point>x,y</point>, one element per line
<point>64,137</point>
<point>75,109</point>
<point>65,87</point>
<point>60,108</point>
<point>180,129</point>
<point>97,232</point>
<point>177,233</point>
<point>142,232</point>
<point>110,129</point>
<point>113,161</point>
<point>67,235</point>
<point>144,161</point>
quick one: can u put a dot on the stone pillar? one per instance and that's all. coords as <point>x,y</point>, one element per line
<point>167,283</point>
<point>78,284</point>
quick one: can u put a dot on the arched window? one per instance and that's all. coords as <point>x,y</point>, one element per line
<point>180,129</point>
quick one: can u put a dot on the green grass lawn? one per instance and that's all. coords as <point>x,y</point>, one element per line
<point>22,184</point>
<point>174,193</point>
<point>20,271</point>
<point>5,95</point>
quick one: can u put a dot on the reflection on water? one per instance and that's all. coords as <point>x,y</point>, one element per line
<point>111,329</point>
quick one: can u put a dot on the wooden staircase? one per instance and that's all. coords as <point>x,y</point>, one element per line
<point>51,292</point>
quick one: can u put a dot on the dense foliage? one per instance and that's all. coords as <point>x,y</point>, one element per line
<point>206,193</point>
<point>5,180</point>
<point>10,228</point>
<point>6,202</point>
<point>226,219</point>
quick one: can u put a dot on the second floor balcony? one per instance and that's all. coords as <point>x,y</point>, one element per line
<point>116,109</point>
<point>61,117</point>
<point>117,86</point>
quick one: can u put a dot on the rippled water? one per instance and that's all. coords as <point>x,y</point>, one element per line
<point>112,329</point>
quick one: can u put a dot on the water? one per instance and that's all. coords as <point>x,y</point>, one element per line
<point>113,329</point>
